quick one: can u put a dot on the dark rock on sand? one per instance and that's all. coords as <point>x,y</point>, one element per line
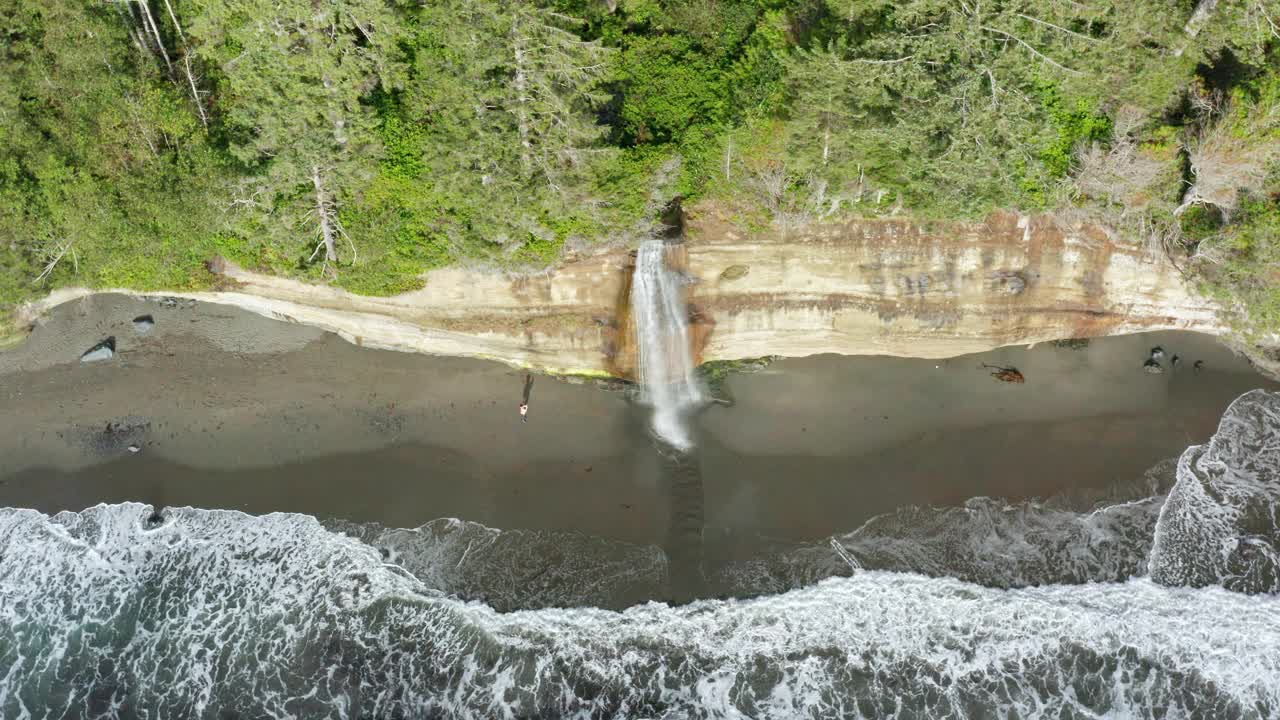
<point>143,324</point>
<point>104,350</point>
<point>1152,365</point>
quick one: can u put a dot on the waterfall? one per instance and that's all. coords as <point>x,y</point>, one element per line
<point>665,361</point>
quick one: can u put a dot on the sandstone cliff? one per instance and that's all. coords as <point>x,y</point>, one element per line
<point>893,287</point>
<point>932,290</point>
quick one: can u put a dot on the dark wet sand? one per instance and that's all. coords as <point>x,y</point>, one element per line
<point>862,436</point>
<point>304,422</point>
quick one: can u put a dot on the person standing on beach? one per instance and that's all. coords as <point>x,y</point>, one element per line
<point>524,403</point>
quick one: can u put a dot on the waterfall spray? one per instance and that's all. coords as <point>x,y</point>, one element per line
<point>666,373</point>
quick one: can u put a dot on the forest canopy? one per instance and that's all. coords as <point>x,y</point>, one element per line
<point>362,142</point>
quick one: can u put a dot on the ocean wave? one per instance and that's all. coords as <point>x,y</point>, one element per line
<point>117,612</point>
<point>1221,524</point>
<point>1076,537</point>
<point>519,569</point>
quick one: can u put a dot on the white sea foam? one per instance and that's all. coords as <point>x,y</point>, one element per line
<point>519,569</point>
<point>1073,538</point>
<point>216,611</point>
<point>1221,524</point>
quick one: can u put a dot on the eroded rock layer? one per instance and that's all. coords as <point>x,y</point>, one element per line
<point>892,287</point>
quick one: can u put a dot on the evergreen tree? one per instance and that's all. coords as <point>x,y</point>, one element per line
<point>292,75</point>
<point>506,93</point>
<point>101,154</point>
<point>138,138</point>
<point>965,105</point>
<point>552,92</point>
<point>825,103</point>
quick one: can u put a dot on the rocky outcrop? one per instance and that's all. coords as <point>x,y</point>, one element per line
<point>897,287</point>
<point>893,287</point>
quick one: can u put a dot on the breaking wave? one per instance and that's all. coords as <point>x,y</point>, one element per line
<point>1074,538</point>
<point>113,612</point>
<point>519,569</point>
<point>120,611</point>
<point>1221,524</point>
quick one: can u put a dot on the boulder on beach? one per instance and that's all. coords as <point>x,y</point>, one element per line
<point>104,350</point>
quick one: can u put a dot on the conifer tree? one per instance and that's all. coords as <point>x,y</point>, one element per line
<point>825,101</point>
<point>508,92</point>
<point>292,74</point>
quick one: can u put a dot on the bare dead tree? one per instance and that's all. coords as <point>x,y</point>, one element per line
<point>1271,22</point>
<point>129,21</point>
<point>195,92</point>
<point>186,65</point>
<point>1199,17</point>
<point>324,213</point>
<point>174,17</point>
<point>52,257</point>
<point>1059,28</point>
<point>771,182</point>
<point>328,226</point>
<point>149,22</point>
<point>794,200</point>
<point>1206,104</point>
<point>1034,51</point>
<point>1123,174</point>
<point>1225,161</point>
<point>145,32</point>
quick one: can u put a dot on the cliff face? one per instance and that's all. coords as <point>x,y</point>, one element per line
<point>906,288</point>
<point>889,287</point>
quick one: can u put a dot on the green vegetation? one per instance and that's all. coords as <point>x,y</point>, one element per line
<point>363,142</point>
<point>1230,219</point>
<point>1243,267</point>
<point>715,374</point>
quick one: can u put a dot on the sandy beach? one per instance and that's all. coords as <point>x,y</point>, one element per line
<point>230,410</point>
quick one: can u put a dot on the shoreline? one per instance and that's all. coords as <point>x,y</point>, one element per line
<point>232,410</point>
<point>372,330</point>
